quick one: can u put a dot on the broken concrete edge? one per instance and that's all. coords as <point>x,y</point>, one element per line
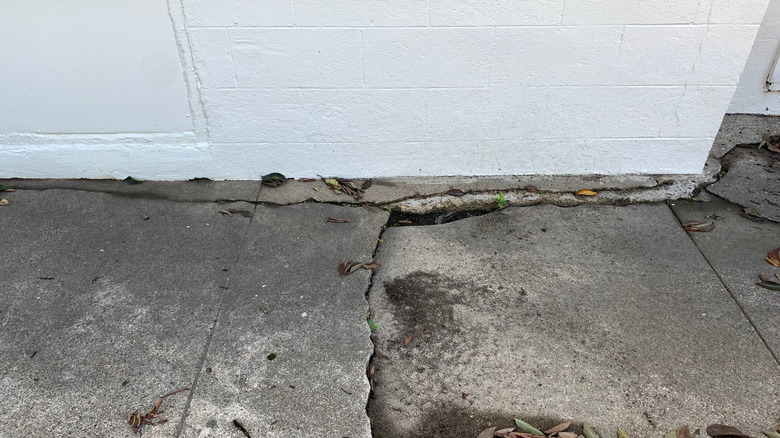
<point>742,128</point>
<point>417,195</point>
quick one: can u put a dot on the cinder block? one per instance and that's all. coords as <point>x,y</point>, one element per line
<point>537,56</point>
<point>294,159</point>
<point>211,53</point>
<point>493,13</point>
<point>434,57</point>
<point>738,12</point>
<point>270,58</point>
<point>723,54</point>
<point>238,13</point>
<point>609,112</point>
<point>699,113</point>
<point>484,114</point>
<point>240,116</point>
<point>578,12</point>
<point>657,55</point>
<point>360,13</point>
<point>363,115</point>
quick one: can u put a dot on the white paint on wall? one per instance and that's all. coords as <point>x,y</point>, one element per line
<point>429,87</point>
<point>89,66</point>
<point>751,96</point>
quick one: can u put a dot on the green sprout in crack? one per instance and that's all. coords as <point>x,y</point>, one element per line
<point>500,201</point>
<point>371,324</point>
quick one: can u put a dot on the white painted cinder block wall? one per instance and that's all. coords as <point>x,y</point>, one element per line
<point>366,87</point>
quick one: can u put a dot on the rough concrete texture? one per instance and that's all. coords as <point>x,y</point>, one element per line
<point>286,298</point>
<point>736,248</point>
<point>103,311</point>
<point>426,194</point>
<point>593,313</point>
<point>752,180</point>
<point>743,128</point>
<point>203,190</point>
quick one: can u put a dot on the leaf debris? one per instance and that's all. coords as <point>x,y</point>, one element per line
<point>336,220</point>
<point>137,420</point>
<point>411,337</point>
<point>773,257</point>
<point>694,226</point>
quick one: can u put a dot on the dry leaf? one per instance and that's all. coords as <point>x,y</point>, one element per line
<point>684,432</point>
<point>456,192</point>
<point>336,220</point>
<point>567,435</point>
<point>411,337</point>
<point>773,257</point>
<point>316,189</point>
<point>371,208</point>
<point>225,212</point>
<point>8,190</point>
<point>487,433</point>
<point>764,278</point>
<point>559,428</point>
<point>699,226</point>
<point>372,265</point>
<point>307,179</point>
<point>4,201</point>
<point>354,267</point>
<point>716,430</point>
<point>94,279</point>
<point>586,192</point>
<point>144,217</point>
<point>343,267</point>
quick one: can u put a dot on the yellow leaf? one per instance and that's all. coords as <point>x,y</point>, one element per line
<point>586,192</point>
<point>4,201</point>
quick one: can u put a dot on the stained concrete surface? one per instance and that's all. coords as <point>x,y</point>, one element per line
<point>752,180</point>
<point>592,313</point>
<point>613,311</point>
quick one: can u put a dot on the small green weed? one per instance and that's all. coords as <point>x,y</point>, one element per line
<point>371,324</point>
<point>500,201</point>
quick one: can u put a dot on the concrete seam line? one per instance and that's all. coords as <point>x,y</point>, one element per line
<point>210,337</point>
<point>731,293</point>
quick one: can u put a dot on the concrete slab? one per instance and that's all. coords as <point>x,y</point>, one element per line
<point>103,311</point>
<point>594,313</point>
<point>287,299</point>
<point>743,128</point>
<point>736,248</point>
<point>203,190</point>
<point>752,180</point>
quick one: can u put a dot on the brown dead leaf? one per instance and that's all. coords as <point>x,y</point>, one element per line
<point>684,432</point>
<point>354,267</point>
<point>773,257</point>
<point>372,265</point>
<point>336,220</point>
<point>559,428</point>
<point>567,435</point>
<point>404,222</point>
<point>93,279</point>
<point>703,227</point>
<point>764,278</point>
<point>586,192</point>
<point>307,179</point>
<point>371,208</point>
<point>505,431</point>
<point>716,430</point>
<point>409,338</point>
<point>4,201</point>
<point>343,267</point>
<point>456,192</point>
<point>225,212</point>
<point>487,433</point>
<point>753,215</point>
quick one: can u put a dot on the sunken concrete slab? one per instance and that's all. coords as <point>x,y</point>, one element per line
<point>593,313</point>
<point>752,180</point>
<point>736,248</point>
<point>102,311</point>
<point>287,299</point>
<point>743,128</point>
<point>199,190</point>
